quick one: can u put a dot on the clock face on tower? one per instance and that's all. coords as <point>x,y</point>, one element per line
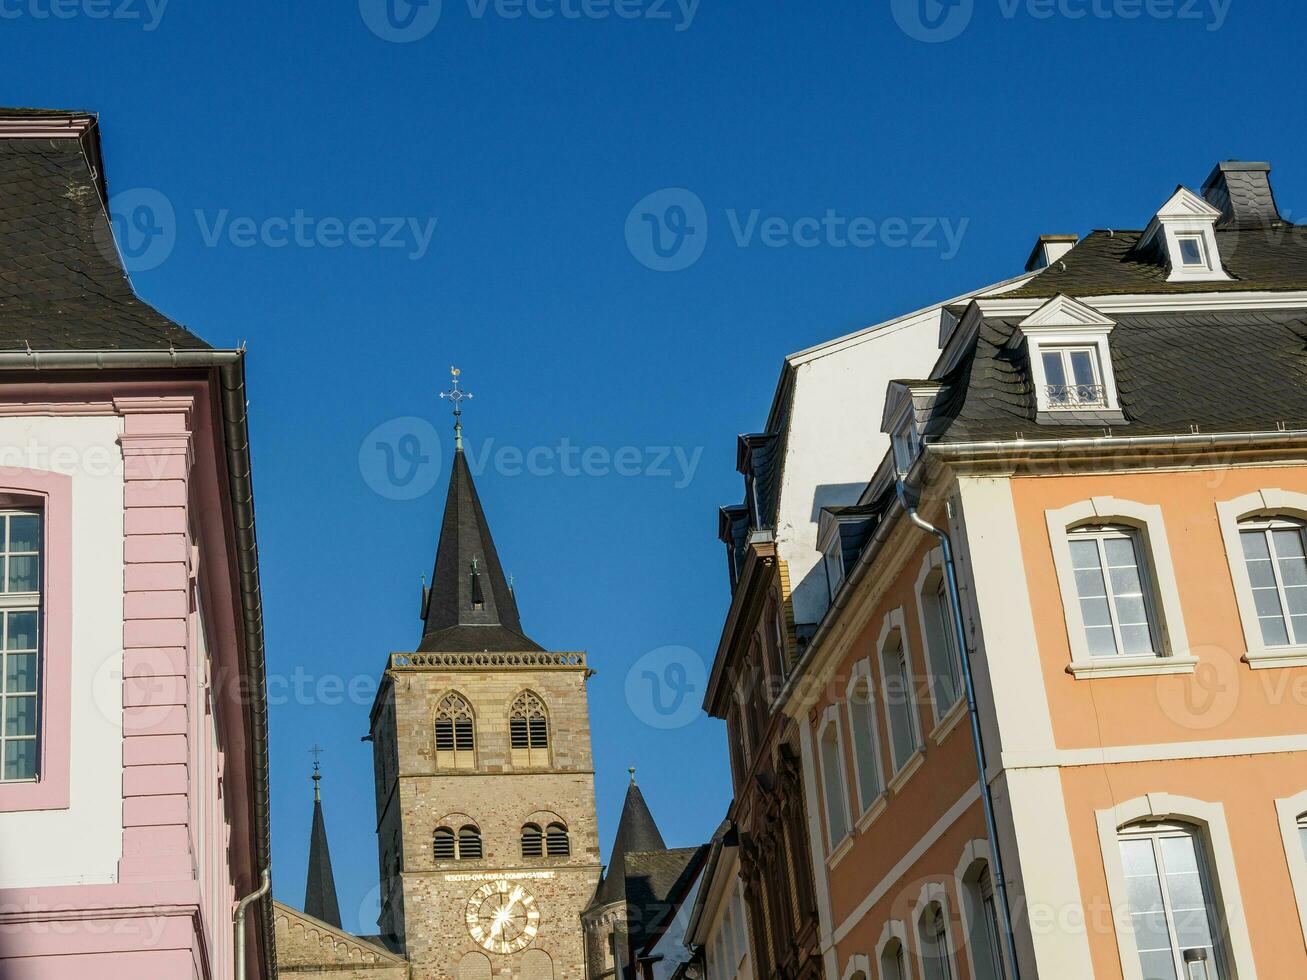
<point>502,917</point>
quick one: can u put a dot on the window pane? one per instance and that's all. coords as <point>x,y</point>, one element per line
<point>1136,640</point>
<point>832,776</point>
<point>1267,601</point>
<point>20,759</point>
<point>23,530</point>
<point>1191,251</point>
<point>1157,965</point>
<point>20,715</point>
<point>1274,632</point>
<point>1083,369</point>
<point>1101,641</point>
<point>1084,554</point>
<point>897,694</point>
<point>20,672</point>
<point>22,573</point>
<point>1054,372</point>
<point>864,748</point>
<point>22,631</point>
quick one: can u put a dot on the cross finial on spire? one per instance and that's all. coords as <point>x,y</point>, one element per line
<point>316,751</point>
<point>456,395</point>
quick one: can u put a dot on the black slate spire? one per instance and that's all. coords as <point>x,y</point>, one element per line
<point>470,606</point>
<point>636,833</point>
<point>320,891</point>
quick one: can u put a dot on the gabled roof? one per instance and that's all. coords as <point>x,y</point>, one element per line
<point>470,607</point>
<point>1270,257</point>
<point>320,889</point>
<point>636,832</point>
<point>62,282</point>
<point>1243,371</point>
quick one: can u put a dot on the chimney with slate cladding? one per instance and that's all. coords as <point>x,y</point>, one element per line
<point>1242,192</point>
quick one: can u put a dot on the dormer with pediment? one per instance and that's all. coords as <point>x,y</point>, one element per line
<point>1182,236</point>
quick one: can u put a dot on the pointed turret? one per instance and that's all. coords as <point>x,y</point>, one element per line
<point>470,606</point>
<point>320,890</point>
<point>636,833</point>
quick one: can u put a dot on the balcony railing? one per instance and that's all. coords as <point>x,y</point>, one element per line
<point>1076,396</point>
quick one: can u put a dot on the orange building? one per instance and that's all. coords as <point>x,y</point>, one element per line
<point>1114,451</point>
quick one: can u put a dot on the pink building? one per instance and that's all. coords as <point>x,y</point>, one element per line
<point>133,740</point>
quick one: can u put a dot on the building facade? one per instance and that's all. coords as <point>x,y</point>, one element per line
<point>1116,454</point>
<point>133,787</point>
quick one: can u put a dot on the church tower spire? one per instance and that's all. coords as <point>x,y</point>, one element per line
<point>470,607</point>
<point>320,889</point>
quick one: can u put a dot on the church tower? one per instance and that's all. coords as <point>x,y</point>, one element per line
<point>486,829</point>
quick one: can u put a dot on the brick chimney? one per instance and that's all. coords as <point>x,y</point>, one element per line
<point>1242,192</point>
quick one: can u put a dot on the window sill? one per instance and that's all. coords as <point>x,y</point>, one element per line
<point>950,721</point>
<point>868,818</point>
<point>1131,667</point>
<point>909,768</point>
<point>1265,658</point>
<point>840,852</point>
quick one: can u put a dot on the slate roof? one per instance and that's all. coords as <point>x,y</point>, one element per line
<point>656,883</point>
<point>1242,372</point>
<point>1271,257</point>
<point>636,833</point>
<point>470,608</point>
<point>62,283</point>
<point>320,889</point>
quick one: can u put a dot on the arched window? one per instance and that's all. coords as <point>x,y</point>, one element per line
<point>1113,583</point>
<point>1276,560</point>
<point>533,841</point>
<point>455,733</point>
<point>932,933</point>
<point>20,613</point>
<point>866,737</point>
<point>557,841</point>
<point>940,636</point>
<point>896,688</point>
<point>1170,899</point>
<point>893,965</point>
<point>528,730</point>
<point>831,748</point>
<point>469,843</point>
<point>982,915</point>
<point>465,845</point>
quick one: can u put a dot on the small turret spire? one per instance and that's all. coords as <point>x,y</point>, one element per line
<point>320,889</point>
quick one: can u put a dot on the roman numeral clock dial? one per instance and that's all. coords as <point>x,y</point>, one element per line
<point>502,917</point>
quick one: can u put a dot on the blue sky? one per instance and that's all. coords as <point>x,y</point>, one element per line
<point>365,211</point>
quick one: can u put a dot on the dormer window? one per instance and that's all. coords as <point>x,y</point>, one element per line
<point>1070,360</point>
<point>1182,235</point>
<point>834,559</point>
<point>1072,377</point>
<point>907,444</point>
<point>841,534</point>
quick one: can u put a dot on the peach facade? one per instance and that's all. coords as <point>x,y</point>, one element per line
<point>1202,738</point>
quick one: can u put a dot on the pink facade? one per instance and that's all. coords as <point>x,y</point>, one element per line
<point>187,820</point>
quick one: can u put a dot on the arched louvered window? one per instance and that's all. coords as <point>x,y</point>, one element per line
<point>557,841</point>
<point>445,846</point>
<point>528,730</point>
<point>533,841</point>
<point>469,843</point>
<point>455,733</point>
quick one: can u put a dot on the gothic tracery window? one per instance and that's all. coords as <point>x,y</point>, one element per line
<point>528,730</point>
<point>455,733</point>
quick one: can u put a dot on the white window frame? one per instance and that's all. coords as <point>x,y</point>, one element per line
<point>894,929</point>
<point>835,849</point>
<point>907,441</point>
<point>934,893</point>
<point>895,623</point>
<point>1065,323</point>
<point>834,562</point>
<point>1174,656</point>
<point>858,963</point>
<point>862,674</point>
<point>1100,534</point>
<point>1268,503</point>
<point>946,716</point>
<point>1073,401</point>
<point>1292,813</point>
<point>971,914</point>
<point>32,602</point>
<point>1209,819</point>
